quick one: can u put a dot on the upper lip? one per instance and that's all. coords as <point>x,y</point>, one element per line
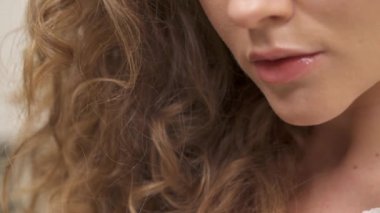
<point>278,53</point>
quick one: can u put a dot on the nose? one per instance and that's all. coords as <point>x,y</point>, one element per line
<point>258,13</point>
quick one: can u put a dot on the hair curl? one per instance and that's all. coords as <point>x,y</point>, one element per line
<point>146,111</point>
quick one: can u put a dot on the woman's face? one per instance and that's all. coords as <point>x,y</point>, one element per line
<point>345,34</point>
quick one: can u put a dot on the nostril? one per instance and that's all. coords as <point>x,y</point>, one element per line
<point>274,20</point>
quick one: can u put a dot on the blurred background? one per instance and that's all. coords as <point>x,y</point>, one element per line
<point>12,41</point>
<point>11,45</point>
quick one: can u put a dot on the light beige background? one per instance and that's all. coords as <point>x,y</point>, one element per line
<point>11,45</point>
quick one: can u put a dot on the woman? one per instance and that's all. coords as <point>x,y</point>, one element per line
<point>201,106</point>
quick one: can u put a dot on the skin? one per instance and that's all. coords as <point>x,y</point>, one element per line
<point>340,97</point>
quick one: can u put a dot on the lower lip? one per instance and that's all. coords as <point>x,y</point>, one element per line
<point>285,70</point>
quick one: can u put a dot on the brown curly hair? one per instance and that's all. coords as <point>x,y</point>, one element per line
<point>138,106</point>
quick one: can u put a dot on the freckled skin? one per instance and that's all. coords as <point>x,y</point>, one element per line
<point>348,32</point>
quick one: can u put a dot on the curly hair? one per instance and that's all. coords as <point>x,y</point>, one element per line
<point>138,106</point>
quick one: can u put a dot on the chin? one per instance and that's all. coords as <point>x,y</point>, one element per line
<point>310,117</point>
<point>303,120</point>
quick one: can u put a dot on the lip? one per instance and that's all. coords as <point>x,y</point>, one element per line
<point>280,66</point>
<point>277,53</point>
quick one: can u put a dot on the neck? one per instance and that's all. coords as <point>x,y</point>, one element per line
<point>350,141</point>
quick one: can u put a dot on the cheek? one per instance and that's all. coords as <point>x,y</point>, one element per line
<point>216,12</point>
<point>348,26</point>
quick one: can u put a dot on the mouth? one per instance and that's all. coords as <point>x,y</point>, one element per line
<point>278,54</point>
<point>280,67</point>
